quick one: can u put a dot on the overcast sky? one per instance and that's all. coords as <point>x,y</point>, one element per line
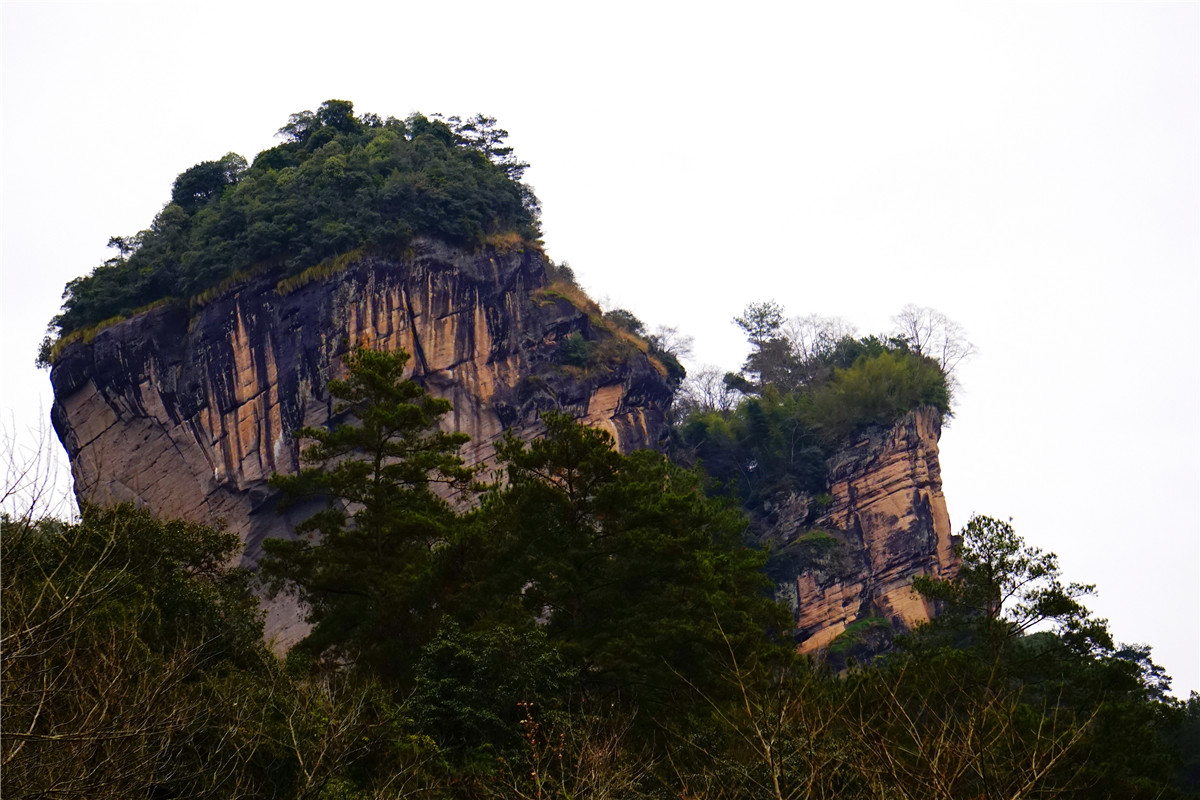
<point>1028,169</point>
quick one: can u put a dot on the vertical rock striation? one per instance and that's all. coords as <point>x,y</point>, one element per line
<point>190,412</point>
<point>883,523</point>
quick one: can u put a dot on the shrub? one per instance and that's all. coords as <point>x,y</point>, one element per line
<point>878,390</point>
<point>625,320</point>
<point>469,683</point>
<point>858,632</point>
<point>814,551</point>
<point>570,292</point>
<point>576,351</point>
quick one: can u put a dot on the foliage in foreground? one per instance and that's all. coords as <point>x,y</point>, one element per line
<point>133,667</point>
<point>622,565</point>
<point>593,629</point>
<point>364,563</point>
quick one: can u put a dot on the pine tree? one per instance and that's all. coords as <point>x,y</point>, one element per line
<point>638,575</point>
<point>364,564</point>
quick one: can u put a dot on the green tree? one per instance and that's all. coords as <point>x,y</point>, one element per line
<point>364,563</point>
<point>207,180</point>
<point>1016,648</point>
<point>981,703</point>
<point>761,322</point>
<point>771,361</point>
<point>338,115</point>
<point>625,561</point>
<point>768,444</point>
<point>120,635</point>
<point>483,133</point>
<point>336,183</point>
<point>471,686</point>
<point>1006,588</point>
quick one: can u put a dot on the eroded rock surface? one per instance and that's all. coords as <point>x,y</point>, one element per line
<point>189,412</point>
<point>854,557</point>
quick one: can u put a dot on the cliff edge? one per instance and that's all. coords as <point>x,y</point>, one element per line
<point>845,562</point>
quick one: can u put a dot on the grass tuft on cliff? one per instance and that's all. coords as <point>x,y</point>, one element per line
<point>337,183</point>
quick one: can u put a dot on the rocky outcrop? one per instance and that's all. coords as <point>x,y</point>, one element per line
<point>846,561</point>
<point>188,411</point>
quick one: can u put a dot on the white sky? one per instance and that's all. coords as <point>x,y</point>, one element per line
<point>1029,169</point>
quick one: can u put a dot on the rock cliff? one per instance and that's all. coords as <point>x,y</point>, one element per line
<point>845,562</point>
<point>188,411</point>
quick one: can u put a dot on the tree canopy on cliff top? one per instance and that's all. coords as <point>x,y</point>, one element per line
<point>337,182</point>
<point>806,386</point>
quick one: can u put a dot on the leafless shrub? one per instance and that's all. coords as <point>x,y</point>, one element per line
<point>705,390</point>
<point>931,333</point>
<point>581,756</point>
<point>89,710</point>
<point>813,336</point>
<point>668,339</point>
<point>924,737</point>
<point>33,486</point>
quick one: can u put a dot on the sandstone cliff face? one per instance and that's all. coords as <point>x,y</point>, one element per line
<point>852,558</point>
<point>189,413</point>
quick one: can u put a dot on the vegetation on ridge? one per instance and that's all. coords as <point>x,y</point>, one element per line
<point>805,387</point>
<point>336,183</point>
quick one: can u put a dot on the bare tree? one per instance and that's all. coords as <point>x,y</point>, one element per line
<point>813,336</point>
<point>706,390</point>
<point>331,720</point>
<point>948,736</point>
<point>934,726</point>
<point>931,333</point>
<point>32,487</point>
<point>93,709</point>
<point>90,710</point>
<point>583,756</point>
<point>668,339</point>
<point>782,731</point>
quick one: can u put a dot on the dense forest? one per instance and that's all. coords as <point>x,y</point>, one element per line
<point>590,624</point>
